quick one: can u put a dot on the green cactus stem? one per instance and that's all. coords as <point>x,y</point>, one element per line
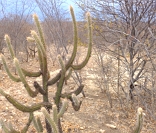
<point>60,83</point>
<point>75,102</point>
<point>75,39</point>
<point>31,74</point>
<point>39,88</point>
<point>63,108</point>
<point>55,112</point>
<point>9,128</point>
<point>67,76</point>
<point>39,124</point>
<point>38,43</point>
<point>14,78</point>
<point>56,115</point>
<point>8,42</point>
<point>42,46</point>
<point>140,120</point>
<point>25,129</point>
<point>23,79</point>
<point>76,92</point>
<point>40,31</point>
<point>70,61</point>
<point>22,107</point>
<point>50,120</point>
<point>35,124</point>
<point>83,64</point>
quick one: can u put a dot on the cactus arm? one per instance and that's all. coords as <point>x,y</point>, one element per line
<point>31,74</point>
<point>51,121</point>
<point>4,127</point>
<point>75,102</point>
<point>39,28</point>
<point>22,107</point>
<point>22,77</point>
<point>54,80</point>
<point>39,88</point>
<point>140,120</point>
<point>42,46</point>
<point>25,129</point>
<point>58,76</point>
<point>8,42</point>
<point>75,39</point>
<point>39,124</point>
<point>68,75</point>
<point>63,108</point>
<point>38,43</point>
<point>14,78</point>
<point>36,124</point>
<point>60,83</point>
<point>76,107</point>
<point>80,66</point>
<point>40,49</point>
<point>55,113</point>
<point>76,92</point>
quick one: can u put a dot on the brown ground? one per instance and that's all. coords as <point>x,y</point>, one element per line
<point>93,116</point>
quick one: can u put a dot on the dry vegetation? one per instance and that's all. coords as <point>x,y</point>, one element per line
<point>121,73</point>
<point>95,113</point>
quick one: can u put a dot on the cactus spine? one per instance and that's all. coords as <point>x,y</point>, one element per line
<point>52,124</point>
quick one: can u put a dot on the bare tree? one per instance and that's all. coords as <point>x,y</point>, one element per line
<point>121,30</point>
<point>16,20</point>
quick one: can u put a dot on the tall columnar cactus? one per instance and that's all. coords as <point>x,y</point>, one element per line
<point>59,79</point>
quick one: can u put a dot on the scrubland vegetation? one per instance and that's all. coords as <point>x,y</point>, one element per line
<point>102,66</point>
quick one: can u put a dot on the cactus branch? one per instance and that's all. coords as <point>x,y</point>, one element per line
<point>8,42</point>
<point>80,66</point>
<point>55,113</point>
<point>39,88</point>
<point>38,42</point>
<point>69,63</point>
<point>140,120</point>
<point>75,102</point>
<point>68,74</point>
<point>63,108</point>
<point>51,121</point>
<point>14,78</point>
<point>36,125</point>
<point>75,39</point>
<point>40,31</point>
<point>22,107</point>
<point>25,129</point>
<point>31,74</point>
<point>22,77</point>
<point>76,92</point>
<point>39,124</point>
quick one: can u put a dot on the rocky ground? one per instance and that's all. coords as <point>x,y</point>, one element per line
<point>94,116</point>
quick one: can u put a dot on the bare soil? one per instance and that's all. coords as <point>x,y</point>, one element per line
<point>94,116</point>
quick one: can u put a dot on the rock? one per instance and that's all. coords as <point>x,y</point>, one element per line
<point>102,131</point>
<point>111,126</point>
<point>82,128</point>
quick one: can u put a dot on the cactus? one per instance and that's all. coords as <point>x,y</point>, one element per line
<point>140,120</point>
<point>52,125</point>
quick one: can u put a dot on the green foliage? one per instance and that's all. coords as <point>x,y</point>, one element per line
<point>52,124</point>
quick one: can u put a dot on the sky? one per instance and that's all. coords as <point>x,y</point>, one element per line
<point>76,8</point>
<point>11,8</point>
